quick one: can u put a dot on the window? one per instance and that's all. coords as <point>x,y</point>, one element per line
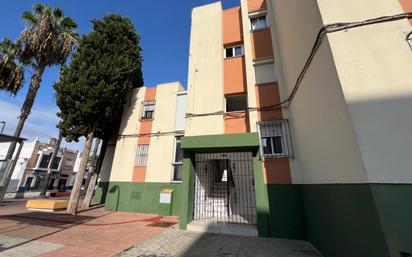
<point>273,139</point>
<point>233,51</point>
<point>44,163</point>
<point>56,162</point>
<point>141,155</point>
<point>177,160</point>
<point>236,103</point>
<point>148,111</point>
<point>265,73</point>
<point>258,22</point>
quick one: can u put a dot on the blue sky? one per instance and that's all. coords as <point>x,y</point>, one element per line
<point>164,27</point>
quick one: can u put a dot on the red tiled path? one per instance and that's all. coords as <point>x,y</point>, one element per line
<point>95,232</point>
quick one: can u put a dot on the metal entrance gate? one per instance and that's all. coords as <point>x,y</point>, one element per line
<point>224,187</point>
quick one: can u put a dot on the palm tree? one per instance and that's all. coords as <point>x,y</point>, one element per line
<point>48,39</point>
<point>11,73</point>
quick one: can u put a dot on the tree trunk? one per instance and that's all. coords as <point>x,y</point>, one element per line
<point>75,194</point>
<point>46,181</point>
<point>93,177</point>
<point>26,108</point>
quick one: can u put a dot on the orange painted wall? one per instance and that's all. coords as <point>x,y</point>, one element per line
<point>407,7</point>
<point>150,94</point>
<point>145,128</point>
<point>237,122</point>
<point>268,95</point>
<point>256,5</point>
<point>232,26</point>
<point>261,43</point>
<point>276,171</point>
<point>139,173</point>
<point>234,75</point>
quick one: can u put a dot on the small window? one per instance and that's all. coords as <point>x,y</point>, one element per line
<point>236,103</point>
<point>273,139</point>
<point>141,155</point>
<point>233,51</point>
<point>177,160</point>
<point>148,111</point>
<point>44,163</point>
<point>258,22</point>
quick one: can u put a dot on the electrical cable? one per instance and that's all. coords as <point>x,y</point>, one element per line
<point>329,28</point>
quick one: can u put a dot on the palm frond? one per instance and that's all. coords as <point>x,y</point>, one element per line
<point>58,13</point>
<point>11,73</point>
<point>68,23</point>
<point>51,40</point>
<point>38,8</point>
<point>29,18</point>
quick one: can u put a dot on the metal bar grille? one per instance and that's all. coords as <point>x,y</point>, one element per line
<point>224,187</point>
<point>275,141</point>
<point>141,155</point>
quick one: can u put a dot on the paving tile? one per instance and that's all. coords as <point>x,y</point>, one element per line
<point>177,243</point>
<point>16,247</point>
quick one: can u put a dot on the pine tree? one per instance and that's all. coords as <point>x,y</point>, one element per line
<point>92,90</point>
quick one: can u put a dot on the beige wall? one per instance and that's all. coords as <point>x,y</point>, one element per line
<point>161,148</point>
<point>324,141</point>
<point>107,164</point>
<point>250,72</point>
<point>375,75</point>
<point>124,156</point>
<point>160,157</point>
<point>205,77</point>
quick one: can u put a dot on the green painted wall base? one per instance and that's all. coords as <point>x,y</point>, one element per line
<point>101,193</point>
<point>138,197</point>
<point>344,220</point>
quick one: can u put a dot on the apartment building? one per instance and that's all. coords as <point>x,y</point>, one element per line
<point>295,139</point>
<point>32,165</point>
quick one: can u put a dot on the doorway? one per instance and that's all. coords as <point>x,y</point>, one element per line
<point>224,187</point>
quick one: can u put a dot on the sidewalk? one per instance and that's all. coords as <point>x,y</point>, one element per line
<point>95,232</point>
<point>178,243</point>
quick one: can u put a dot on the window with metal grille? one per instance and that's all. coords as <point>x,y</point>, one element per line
<point>274,138</point>
<point>177,160</point>
<point>148,111</point>
<point>141,155</point>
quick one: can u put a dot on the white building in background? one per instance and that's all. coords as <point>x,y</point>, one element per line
<point>32,164</point>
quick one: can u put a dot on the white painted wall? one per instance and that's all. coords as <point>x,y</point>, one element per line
<point>250,70</point>
<point>180,113</point>
<point>324,141</point>
<point>205,76</point>
<point>124,156</point>
<point>161,148</point>
<point>375,75</point>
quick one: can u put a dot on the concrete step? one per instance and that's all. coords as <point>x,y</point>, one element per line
<point>212,226</point>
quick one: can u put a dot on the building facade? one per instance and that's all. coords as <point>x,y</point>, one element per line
<point>32,165</point>
<point>300,140</point>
